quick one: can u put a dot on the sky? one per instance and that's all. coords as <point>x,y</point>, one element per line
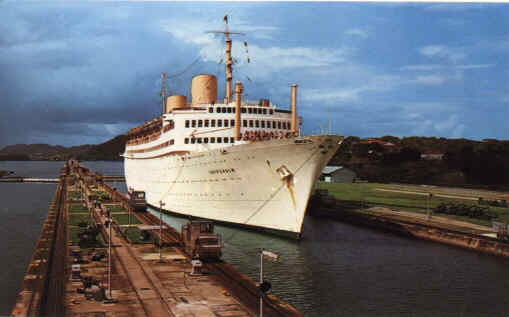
<point>81,72</point>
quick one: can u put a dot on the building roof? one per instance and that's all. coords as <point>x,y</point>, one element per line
<point>331,169</point>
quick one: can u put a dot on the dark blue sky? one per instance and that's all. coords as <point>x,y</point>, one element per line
<point>78,72</point>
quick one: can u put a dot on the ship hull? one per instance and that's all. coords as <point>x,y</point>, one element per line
<point>260,185</point>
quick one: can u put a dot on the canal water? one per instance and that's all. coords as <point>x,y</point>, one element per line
<point>336,270</point>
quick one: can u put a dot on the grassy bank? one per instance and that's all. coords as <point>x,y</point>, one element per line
<point>369,194</point>
<point>123,219</point>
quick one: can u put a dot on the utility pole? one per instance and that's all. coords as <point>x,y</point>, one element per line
<point>161,204</point>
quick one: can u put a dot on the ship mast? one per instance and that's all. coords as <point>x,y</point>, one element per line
<point>163,91</point>
<point>229,60</point>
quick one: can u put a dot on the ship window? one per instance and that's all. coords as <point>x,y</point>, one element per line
<point>212,140</point>
<point>259,111</point>
<point>205,140</point>
<point>218,109</point>
<point>263,124</point>
<point>223,109</point>
<point>219,140</point>
<point>211,110</point>
<point>200,123</point>
<point>244,123</point>
<point>284,125</point>
<point>229,110</point>
<point>249,110</point>
<point>271,111</point>
<point>225,140</point>
<point>206,123</point>
<point>187,123</point>
<point>226,123</point>
<point>250,123</point>
<point>232,140</point>
<point>193,141</point>
<point>234,110</point>
<point>172,142</point>
<point>199,140</point>
<point>264,111</point>
<point>257,123</point>
<point>213,123</point>
<point>279,125</point>
<point>219,123</point>
<point>193,123</point>
<point>186,140</point>
<point>243,110</point>
<point>232,123</point>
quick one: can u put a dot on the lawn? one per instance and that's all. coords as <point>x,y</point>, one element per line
<point>74,220</point>
<point>133,234</point>
<point>74,195</point>
<point>115,208</point>
<point>101,195</point>
<point>77,209</point>
<point>74,238</point>
<point>123,219</point>
<point>353,193</point>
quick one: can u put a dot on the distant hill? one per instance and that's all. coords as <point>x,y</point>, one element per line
<point>107,151</point>
<point>427,160</point>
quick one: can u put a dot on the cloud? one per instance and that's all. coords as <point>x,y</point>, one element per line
<point>428,80</point>
<point>451,125</point>
<point>442,51</point>
<point>83,72</point>
<point>265,60</point>
<point>357,32</point>
<point>457,7</point>
<point>376,84</point>
<point>432,67</point>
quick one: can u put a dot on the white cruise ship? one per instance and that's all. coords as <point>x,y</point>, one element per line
<point>230,160</point>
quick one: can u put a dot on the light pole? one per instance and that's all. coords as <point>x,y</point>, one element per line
<point>261,282</point>
<point>109,256</point>
<point>265,287</point>
<point>428,201</point>
<point>129,208</point>
<point>161,204</point>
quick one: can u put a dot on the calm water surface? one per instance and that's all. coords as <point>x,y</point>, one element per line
<point>336,270</point>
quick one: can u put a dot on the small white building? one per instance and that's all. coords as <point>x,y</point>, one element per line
<point>337,174</point>
<point>432,156</point>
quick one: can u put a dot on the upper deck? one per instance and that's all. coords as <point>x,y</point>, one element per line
<point>208,126</point>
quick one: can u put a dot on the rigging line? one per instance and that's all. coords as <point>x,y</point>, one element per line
<point>272,195</point>
<point>171,186</point>
<point>185,69</point>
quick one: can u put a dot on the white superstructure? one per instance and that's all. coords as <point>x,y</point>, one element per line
<point>237,162</point>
